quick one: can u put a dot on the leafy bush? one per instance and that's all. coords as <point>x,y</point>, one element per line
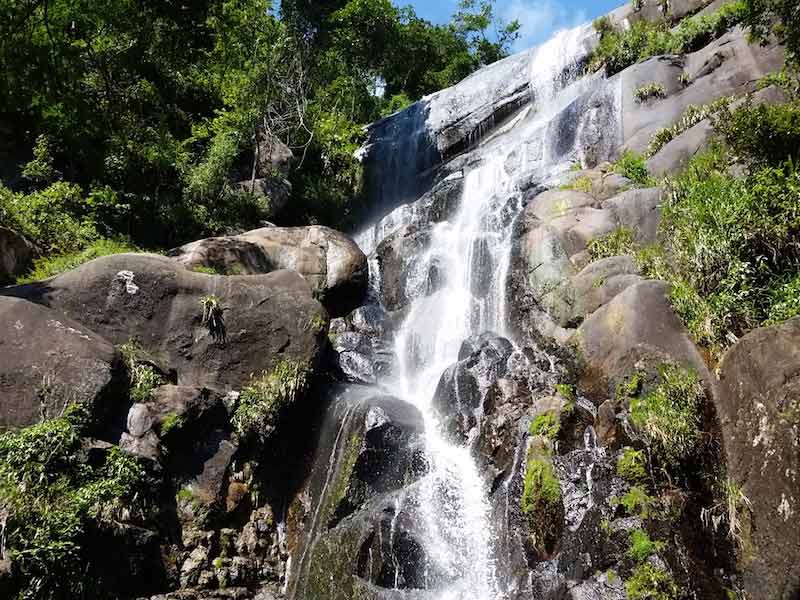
<point>632,465</point>
<point>649,582</point>
<point>767,134</point>
<point>731,243</point>
<point>50,266</point>
<point>52,498</point>
<point>634,167</point>
<point>144,380</point>
<point>649,90</point>
<point>620,49</point>
<point>784,301</point>
<point>261,402</point>
<point>668,417</point>
<point>616,243</point>
<point>642,547</point>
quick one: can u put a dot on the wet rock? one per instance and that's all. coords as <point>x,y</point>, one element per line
<point>332,263</point>
<point>50,362</point>
<point>758,401</point>
<point>463,386</point>
<point>158,302</point>
<point>397,255</point>
<point>355,357</point>
<point>16,255</point>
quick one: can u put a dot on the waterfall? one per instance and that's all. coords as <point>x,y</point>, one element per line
<point>467,261</point>
<point>455,288</point>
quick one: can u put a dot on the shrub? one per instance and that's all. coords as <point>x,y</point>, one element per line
<point>649,582</point>
<point>785,301</point>
<point>767,134</point>
<point>50,266</point>
<point>52,498</point>
<point>634,167</point>
<point>144,380</point>
<point>642,547</point>
<point>547,425</point>
<point>261,402</point>
<point>696,32</point>
<point>637,502</point>
<point>648,91</point>
<point>541,486</point>
<point>616,243</point>
<point>632,465</point>
<point>668,416</point>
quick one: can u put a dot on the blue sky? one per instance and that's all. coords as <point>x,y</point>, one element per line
<point>539,18</point>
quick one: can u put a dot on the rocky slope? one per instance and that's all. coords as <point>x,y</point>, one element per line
<point>324,496</point>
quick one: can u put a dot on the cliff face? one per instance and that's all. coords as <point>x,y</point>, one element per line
<point>509,407</point>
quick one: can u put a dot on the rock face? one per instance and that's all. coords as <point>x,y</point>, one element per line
<point>49,362</point>
<point>16,255</point>
<point>331,262</point>
<point>265,172</point>
<point>758,401</point>
<point>155,300</point>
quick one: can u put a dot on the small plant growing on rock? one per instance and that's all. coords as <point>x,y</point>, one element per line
<point>634,167</point>
<point>213,316</point>
<point>581,184</point>
<point>632,465</point>
<point>649,582</point>
<point>648,91</point>
<point>642,547</point>
<point>261,402</point>
<point>144,380</point>
<point>668,417</point>
<point>172,422</point>
<point>205,270</point>
<point>541,486</point>
<point>616,243</point>
<point>636,501</point>
<point>547,425</point>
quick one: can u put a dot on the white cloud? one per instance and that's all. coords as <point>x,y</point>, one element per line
<point>539,19</point>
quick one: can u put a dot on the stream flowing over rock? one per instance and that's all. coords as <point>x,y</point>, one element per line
<point>447,396</point>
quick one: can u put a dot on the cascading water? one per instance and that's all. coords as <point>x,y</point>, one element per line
<point>455,288</point>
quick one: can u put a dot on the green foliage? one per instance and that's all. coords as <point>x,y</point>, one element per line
<point>616,243</point>
<point>547,425</point>
<point>778,17</point>
<point>731,245</point>
<point>144,380</point>
<point>634,167</point>
<point>52,498</point>
<point>541,488</point>
<point>40,170</point>
<point>668,417</point>
<point>767,134</point>
<point>649,90</point>
<point>50,266</point>
<point>581,184</point>
<point>566,391</point>
<point>261,402</point>
<point>691,117</point>
<point>637,502</point>
<point>213,316</point>
<point>649,582</point>
<point>172,422</point>
<point>632,465</point>
<point>205,270</point>
<point>620,49</point>
<point>642,547</point>
<point>784,301</point>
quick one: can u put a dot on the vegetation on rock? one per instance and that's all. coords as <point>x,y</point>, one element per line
<point>649,582</point>
<point>649,90</point>
<point>634,167</point>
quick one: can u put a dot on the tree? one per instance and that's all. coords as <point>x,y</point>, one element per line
<point>779,17</point>
<point>474,21</point>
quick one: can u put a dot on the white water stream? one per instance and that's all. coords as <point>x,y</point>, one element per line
<point>470,257</point>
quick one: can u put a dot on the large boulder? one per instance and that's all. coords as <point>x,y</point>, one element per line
<point>16,255</point>
<point>758,403</point>
<point>638,327</point>
<point>49,362</point>
<point>265,318</point>
<point>331,262</point>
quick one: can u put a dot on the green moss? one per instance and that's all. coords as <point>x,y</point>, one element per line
<point>261,402</point>
<point>632,465</point>
<point>648,91</point>
<point>642,547</point>
<point>345,473</point>
<point>206,270</point>
<point>668,417</point>
<point>566,391</point>
<point>616,243</point>
<point>630,386</point>
<point>547,425</point>
<point>51,499</point>
<point>651,583</point>
<point>541,486</point>
<point>51,266</point>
